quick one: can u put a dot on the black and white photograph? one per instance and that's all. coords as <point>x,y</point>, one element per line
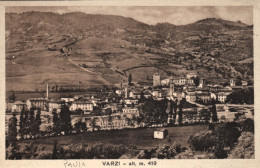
<point>129,82</point>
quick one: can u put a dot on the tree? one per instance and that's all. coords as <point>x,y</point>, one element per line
<point>56,122</point>
<point>219,151</point>
<point>180,113</point>
<point>12,130</point>
<point>245,148</point>
<point>54,151</point>
<point>204,115</point>
<point>214,113</point>
<point>22,123</point>
<point>110,120</point>
<point>196,81</point>
<point>248,125</point>
<point>241,97</point>
<point>12,96</point>
<point>141,96</point>
<point>174,111</point>
<point>11,152</point>
<point>130,79</point>
<point>37,122</point>
<point>93,123</point>
<point>228,133</point>
<point>31,122</point>
<point>65,119</point>
<point>26,124</point>
<point>80,126</point>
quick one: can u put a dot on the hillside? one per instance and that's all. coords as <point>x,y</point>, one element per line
<point>106,48</point>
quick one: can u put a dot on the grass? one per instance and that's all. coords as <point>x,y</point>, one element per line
<point>142,138</point>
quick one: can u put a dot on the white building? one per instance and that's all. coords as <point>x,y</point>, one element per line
<point>160,134</point>
<point>85,106</point>
<point>156,79</point>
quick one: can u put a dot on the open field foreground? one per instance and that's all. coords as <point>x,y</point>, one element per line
<point>141,138</point>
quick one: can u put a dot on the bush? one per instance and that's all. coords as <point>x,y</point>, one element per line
<point>202,141</point>
<point>165,152</point>
<point>98,151</point>
<point>228,133</point>
<point>248,125</point>
<point>245,149</point>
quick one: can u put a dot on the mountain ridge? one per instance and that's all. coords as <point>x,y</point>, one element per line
<point>217,45</point>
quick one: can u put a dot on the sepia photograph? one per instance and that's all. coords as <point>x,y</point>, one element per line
<point>129,82</point>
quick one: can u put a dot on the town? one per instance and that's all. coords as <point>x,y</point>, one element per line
<point>110,85</point>
<point>168,102</point>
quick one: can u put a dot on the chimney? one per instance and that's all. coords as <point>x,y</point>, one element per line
<point>47,91</point>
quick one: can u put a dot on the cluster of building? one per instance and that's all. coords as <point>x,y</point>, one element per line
<point>185,88</point>
<point>116,108</point>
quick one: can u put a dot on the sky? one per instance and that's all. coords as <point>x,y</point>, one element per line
<point>178,15</point>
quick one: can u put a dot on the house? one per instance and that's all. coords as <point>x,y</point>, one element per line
<point>8,107</point>
<point>179,81</point>
<point>54,104</point>
<point>85,106</point>
<point>135,94</point>
<point>179,95</point>
<point>191,75</point>
<point>205,97</point>
<point>165,82</point>
<point>37,103</point>
<point>67,100</point>
<point>156,93</point>
<point>119,91</point>
<point>244,83</point>
<point>130,101</point>
<point>131,110</point>
<point>222,96</point>
<point>18,106</point>
<point>160,134</point>
<point>147,94</point>
<point>191,97</point>
<point>214,95</point>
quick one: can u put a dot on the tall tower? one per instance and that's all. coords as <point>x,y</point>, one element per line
<point>232,82</point>
<point>202,83</point>
<point>47,91</point>
<point>171,87</point>
<point>126,92</point>
<point>156,79</point>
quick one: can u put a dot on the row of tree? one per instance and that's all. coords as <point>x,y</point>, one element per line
<point>29,125</point>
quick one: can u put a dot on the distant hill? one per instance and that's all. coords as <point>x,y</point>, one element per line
<point>113,46</point>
